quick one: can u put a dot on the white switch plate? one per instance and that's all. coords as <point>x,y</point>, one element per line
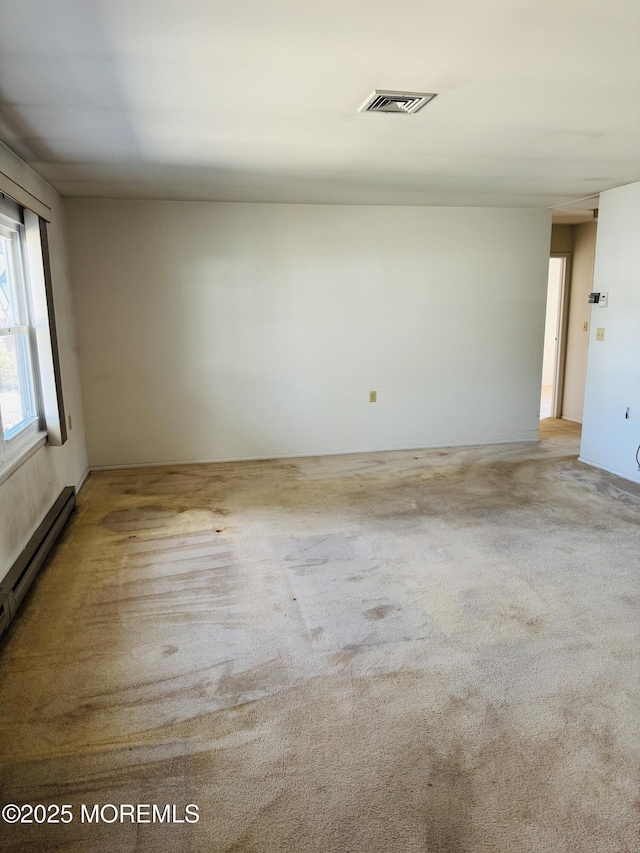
<point>600,334</point>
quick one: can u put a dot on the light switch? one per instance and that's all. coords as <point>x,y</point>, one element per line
<point>373,396</point>
<point>600,334</point>
<point>585,326</point>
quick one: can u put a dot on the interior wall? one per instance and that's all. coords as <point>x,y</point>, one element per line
<point>562,238</point>
<point>583,259</point>
<point>214,331</point>
<point>27,495</point>
<point>609,438</point>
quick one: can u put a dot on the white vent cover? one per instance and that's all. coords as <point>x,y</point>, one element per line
<point>385,101</point>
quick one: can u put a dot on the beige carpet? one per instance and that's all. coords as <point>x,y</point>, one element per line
<point>411,651</point>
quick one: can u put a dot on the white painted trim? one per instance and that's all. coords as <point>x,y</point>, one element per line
<point>18,193</point>
<point>622,474</point>
<point>13,464</point>
<point>532,438</point>
<point>562,333</point>
<point>82,479</point>
<point>42,327</point>
<point>571,420</point>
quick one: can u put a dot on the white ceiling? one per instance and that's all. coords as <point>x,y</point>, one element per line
<point>538,100</point>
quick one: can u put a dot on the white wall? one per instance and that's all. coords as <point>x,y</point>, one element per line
<point>609,440</point>
<point>584,248</point>
<point>27,495</point>
<point>219,331</point>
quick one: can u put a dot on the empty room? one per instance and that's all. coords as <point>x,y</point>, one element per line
<point>319,426</point>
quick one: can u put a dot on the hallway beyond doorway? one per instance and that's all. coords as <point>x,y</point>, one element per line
<point>546,402</point>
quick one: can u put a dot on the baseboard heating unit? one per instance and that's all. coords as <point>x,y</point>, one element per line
<point>14,586</point>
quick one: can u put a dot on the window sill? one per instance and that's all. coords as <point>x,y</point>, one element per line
<point>25,446</point>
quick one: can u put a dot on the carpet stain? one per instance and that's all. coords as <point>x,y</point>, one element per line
<point>379,612</point>
<point>138,518</point>
<point>390,653</point>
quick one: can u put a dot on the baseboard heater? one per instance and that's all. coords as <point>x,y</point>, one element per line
<point>14,586</point>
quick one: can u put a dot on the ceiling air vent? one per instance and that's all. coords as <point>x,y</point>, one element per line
<point>384,101</point>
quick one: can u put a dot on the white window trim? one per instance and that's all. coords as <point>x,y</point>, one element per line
<point>14,230</point>
<point>43,320</point>
<point>17,450</point>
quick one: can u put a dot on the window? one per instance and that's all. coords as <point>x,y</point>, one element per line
<point>31,404</point>
<point>20,408</point>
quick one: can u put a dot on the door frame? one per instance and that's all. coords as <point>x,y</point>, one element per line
<point>563,325</point>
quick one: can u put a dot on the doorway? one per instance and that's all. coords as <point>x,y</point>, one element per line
<point>554,338</point>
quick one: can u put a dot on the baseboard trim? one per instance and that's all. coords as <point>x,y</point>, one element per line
<point>83,478</point>
<point>530,438</point>
<point>615,471</point>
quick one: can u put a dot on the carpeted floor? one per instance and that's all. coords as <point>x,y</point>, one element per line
<point>411,651</point>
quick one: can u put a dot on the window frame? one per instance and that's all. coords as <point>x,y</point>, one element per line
<point>31,432</point>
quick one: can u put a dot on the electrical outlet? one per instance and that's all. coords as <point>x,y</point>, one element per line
<point>585,326</point>
<point>373,396</point>
<point>600,334</point>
